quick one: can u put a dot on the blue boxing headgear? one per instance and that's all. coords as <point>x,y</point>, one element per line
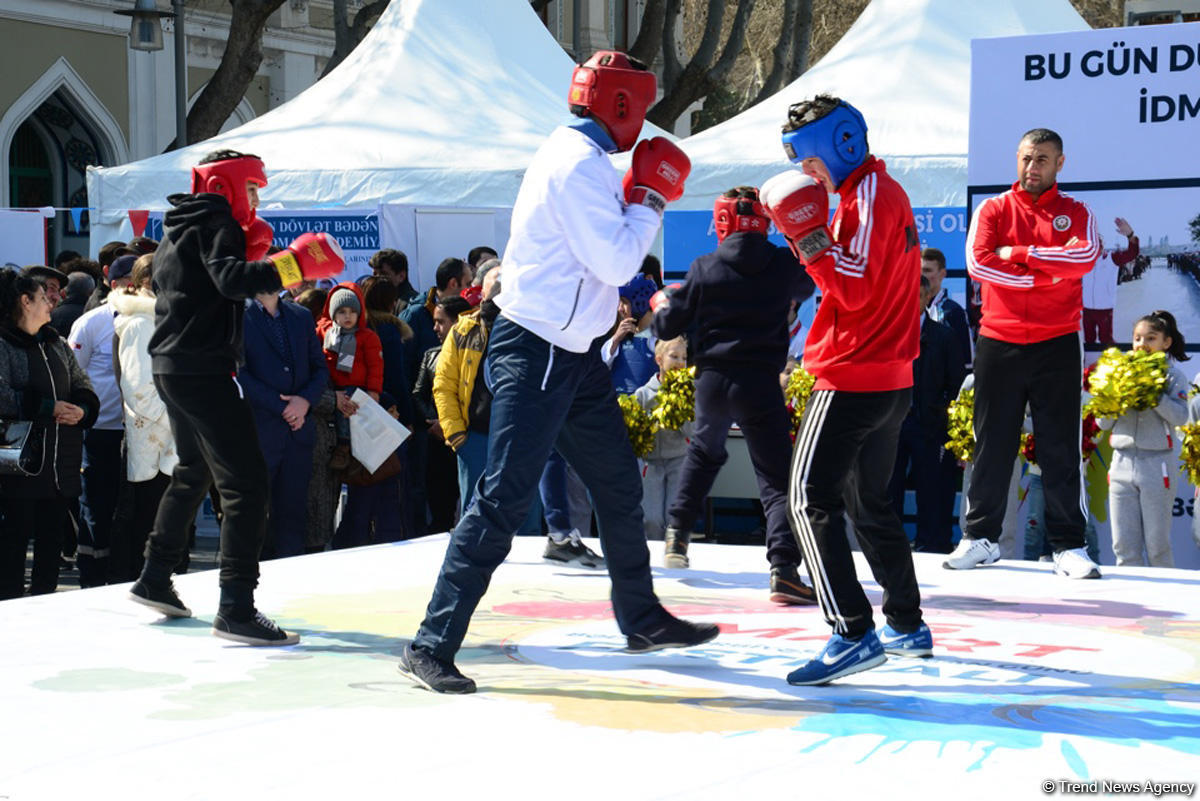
<point>638,292</point>
<point>838,138</point>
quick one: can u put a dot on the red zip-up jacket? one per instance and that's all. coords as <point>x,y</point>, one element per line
<point>867,332</point>
<point>367,371</point>
<point>1038,293</point>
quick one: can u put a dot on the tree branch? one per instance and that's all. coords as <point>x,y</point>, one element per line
<point>733,45</point>
<point>801,40</point>
<point>671,66</point>
<point>707,48</point>
<point>650,34</point>
<point>780,53</point>
<point>348,34</point>
<point>367,16</point>
<point>239,63</point>
<point>702,75</point>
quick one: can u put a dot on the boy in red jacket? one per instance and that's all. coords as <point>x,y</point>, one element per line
<point>861,348</point>
<point>354,357</point>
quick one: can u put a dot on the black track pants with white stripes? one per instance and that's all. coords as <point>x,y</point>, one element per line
<point>1048,376</point>
<point>843,461</point>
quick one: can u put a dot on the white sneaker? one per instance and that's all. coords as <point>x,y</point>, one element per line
<point>972,553</point>
<point>1075,563</point>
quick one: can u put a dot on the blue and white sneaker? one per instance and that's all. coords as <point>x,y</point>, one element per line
<point>914,643</point>
<point>840,657</point>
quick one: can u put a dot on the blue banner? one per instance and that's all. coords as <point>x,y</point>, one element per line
<point>356,230</point>
<point>944,228</point>
<point>688,234</point>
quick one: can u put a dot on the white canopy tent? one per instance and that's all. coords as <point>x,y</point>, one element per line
<point>905,64</point>
<point>443,104</point>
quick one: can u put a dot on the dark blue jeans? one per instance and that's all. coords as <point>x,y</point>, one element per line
<point>545,398</point>
<point>379,503</point>
<point>103,469</point>
<point>472,459</point>
<point>920,454</point>
<point>289,466</point>
<point>552,487</point>
<point>750,397</point>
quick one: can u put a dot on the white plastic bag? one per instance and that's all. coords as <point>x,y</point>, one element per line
<point>374,433</point>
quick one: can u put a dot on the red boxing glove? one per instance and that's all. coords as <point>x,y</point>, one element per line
<point>662,298</point>
<point>310,257</point>
<point>799,207</point>
<point>259,236</point>
<point>656,174</point>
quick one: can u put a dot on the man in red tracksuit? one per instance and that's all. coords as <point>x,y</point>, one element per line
<point>1029,247</point>
<point>861,348</point>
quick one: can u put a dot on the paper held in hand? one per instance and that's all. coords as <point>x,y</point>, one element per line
<point>374,433</point>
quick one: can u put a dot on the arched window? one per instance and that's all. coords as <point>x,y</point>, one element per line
<point>48,139</point>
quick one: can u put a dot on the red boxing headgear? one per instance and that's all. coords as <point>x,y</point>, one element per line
<point>610,88</point>
<point>739,213</point>
<point>228,178</point>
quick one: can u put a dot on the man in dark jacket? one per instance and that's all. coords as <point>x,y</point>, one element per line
<point>283,377</point>
<point>79,288</point>
<point>210,261</point>
<point>453,275</point>
<point>941,307</point>
<point>392,266</point>
<point>937,374</point>
<point>737,301</point>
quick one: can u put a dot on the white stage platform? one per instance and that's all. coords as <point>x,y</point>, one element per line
<point>1035,679</point>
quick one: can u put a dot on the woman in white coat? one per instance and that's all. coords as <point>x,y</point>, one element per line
<point>149,447</point>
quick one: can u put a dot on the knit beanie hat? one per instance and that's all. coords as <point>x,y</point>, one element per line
<point>343,299</point>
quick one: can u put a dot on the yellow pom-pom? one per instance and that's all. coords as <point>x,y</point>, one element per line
<point>637,424</point>
<point>1189,455</point>
<point>676,400</point>
<point>961,426</point>
<point>797,392</point>
<point>1122,382</point>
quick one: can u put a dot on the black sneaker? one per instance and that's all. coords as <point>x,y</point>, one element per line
<point>572,552</point>
<point>434,674</point>
<point>258,630</point>
<point>675,633</point>
<point>675,548</point>
<point>788,588</point>
<point>162,599</point>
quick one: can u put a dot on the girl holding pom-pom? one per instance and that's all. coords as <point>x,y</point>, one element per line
<point>1141,490</point>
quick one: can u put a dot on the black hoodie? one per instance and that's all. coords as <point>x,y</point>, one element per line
<point>201,280</point>
<point>734,304</point>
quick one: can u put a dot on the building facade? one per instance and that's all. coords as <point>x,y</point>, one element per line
<point>74,94</point>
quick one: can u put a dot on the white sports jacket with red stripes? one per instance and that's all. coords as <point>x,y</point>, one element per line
<point>1037,294</point>
<point>867,329</point>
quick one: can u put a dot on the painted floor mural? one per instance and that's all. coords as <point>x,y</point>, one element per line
<point>1039,687</point>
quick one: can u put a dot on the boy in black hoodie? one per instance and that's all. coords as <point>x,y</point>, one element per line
<point>211,260</point>
<point>734,307</point>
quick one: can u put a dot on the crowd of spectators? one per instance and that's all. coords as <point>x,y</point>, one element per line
<point>421,355</point>
<point>74,360</point>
